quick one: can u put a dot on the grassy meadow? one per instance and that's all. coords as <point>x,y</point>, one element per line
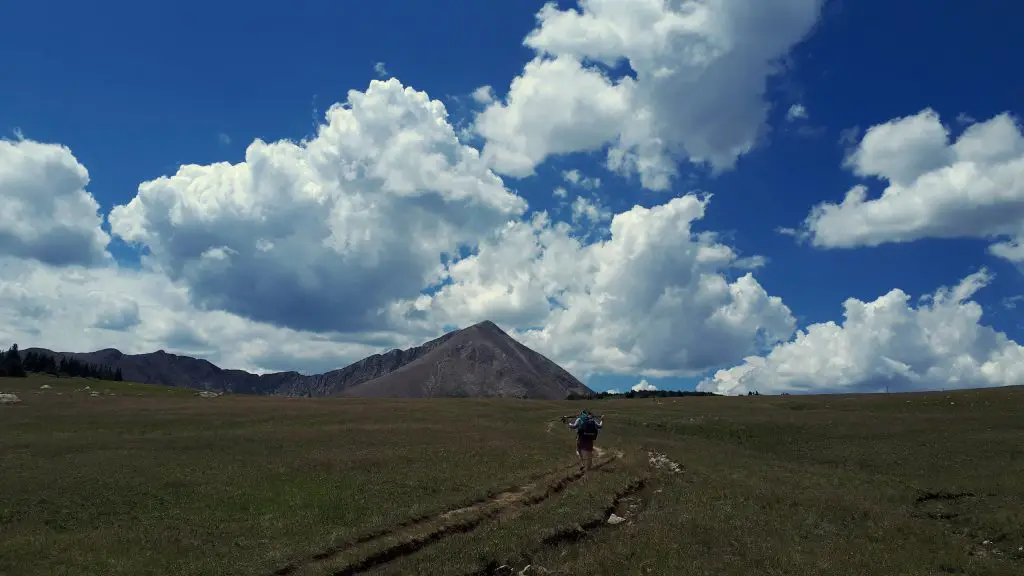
<point>150,480</point>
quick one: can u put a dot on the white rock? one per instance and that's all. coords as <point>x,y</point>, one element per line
<point>9,399</point>
<point>661,461</point>
<point>615,519</point>
<point>44,387</point>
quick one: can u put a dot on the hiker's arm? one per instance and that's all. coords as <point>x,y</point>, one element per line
<point>575,423</point>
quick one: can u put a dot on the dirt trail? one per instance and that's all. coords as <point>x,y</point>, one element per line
<point>385,546</point>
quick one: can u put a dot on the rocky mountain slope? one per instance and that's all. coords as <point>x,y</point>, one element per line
<point>478,361</point>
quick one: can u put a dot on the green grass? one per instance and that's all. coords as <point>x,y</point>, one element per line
<point>152,480</point>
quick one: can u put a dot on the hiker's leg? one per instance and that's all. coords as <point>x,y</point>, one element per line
<point>581,451</point>
<point>587,452</point>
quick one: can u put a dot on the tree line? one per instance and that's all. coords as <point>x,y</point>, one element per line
<point>14,366</point>
<point>639,394</point>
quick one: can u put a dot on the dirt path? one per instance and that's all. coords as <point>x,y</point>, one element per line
<point>385,546</point>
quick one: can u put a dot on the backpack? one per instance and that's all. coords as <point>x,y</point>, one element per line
<point>588,427</point>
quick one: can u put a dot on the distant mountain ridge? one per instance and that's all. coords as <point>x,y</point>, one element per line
<point>478,361</point>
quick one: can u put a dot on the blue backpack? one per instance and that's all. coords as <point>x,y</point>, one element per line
<point>588,426</point>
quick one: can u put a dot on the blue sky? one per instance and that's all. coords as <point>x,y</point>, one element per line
<point>137,89</point>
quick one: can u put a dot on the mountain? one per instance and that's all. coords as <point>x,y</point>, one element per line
<point>478,361</point>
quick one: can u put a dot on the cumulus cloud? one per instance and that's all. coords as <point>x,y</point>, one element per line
<point>634,303</point>
<point>655,298</point>
<point>935,187</point>
<point>48,215</point>
<point>560,192</point>
<point>584,209</point>
<point>118,314</point>
<point>483,95</point>
<point>74,308</point>
<point>887,344</point>
<point>322,235</point>
<point>574,177</point>
<point>700,71</point>
<point>796,112</point>
<point>555,107</point>
<point>378,233</point>
<point>644,386</point>
<point>380,69</point>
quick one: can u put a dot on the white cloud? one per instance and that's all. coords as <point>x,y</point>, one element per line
<point>973,187</point>
<point>555,107</point>
<point>965,118</point>
<point>380,69</point>
<point>613,391</point>
<point>887,344</point>
<point>654,299</point>
<point>483,95</point>
<point>591,210</point>
<point>322,235</point>
<point>560,192</point>
<point>628,305</point>
<point>79,309</point>
<point>574,177</point>
<point>796,112</point>
<point>224,139</point>
<point>644,386</point>
<point>700,68</point>
<point>48,214</point>
<point>1011,302</point>
<point>312,254</point>
<point>848,137</point>
<point>119,313</point>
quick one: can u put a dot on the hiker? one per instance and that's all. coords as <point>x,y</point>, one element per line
<point>587,428</point>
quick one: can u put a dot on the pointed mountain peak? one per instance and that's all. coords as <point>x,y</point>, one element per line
<point>480,360</point>
<point>486,326</point>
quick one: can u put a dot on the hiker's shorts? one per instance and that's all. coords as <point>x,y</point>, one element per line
<point>584,444</point>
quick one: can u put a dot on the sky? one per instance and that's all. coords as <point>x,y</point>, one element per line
<point>729,195</point>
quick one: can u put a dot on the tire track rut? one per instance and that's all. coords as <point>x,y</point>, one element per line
<point>383,546</point>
